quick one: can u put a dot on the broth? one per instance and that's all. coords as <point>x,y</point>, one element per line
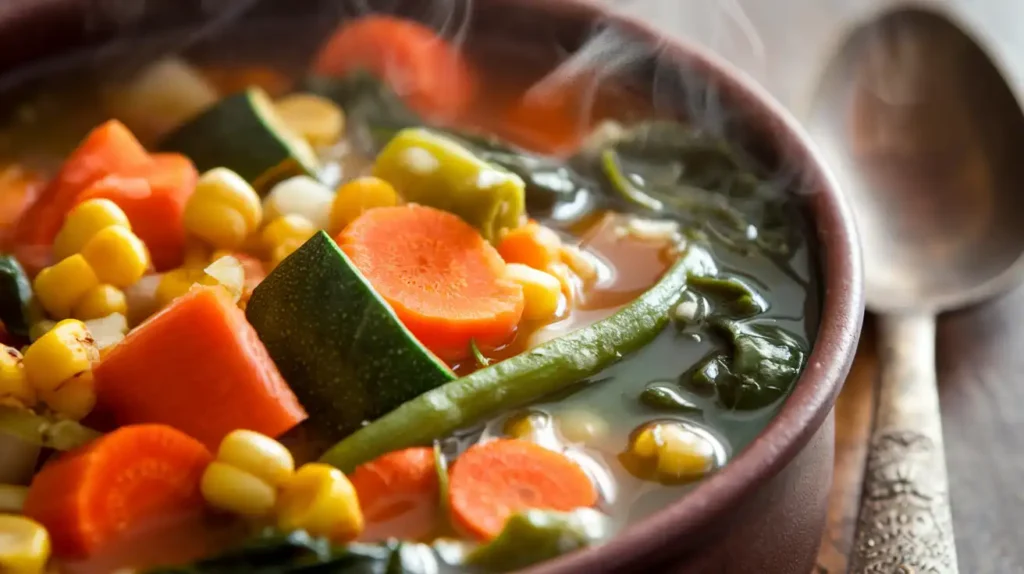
<point>55,111</point>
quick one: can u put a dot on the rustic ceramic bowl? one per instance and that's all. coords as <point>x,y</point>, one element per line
<point>765,511</point>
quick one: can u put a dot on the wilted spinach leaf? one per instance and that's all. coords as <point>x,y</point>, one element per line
<point>759,366</point>
<point>729,296</point>
<point>15,297</point>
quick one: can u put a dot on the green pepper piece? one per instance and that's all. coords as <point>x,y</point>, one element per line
<point>545,369</point>
<point>15,297</point>
<point>533,536</point>
<point>431,169</point>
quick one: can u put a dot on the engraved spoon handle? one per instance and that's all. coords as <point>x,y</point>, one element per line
<point>905,525</point>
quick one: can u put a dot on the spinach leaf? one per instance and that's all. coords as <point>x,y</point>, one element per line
<point>759,367</point>
<point>729,296</point>
<point>536,535</point>
<point>300,553</point>
<point>662,396</point>
<point>15,297</point>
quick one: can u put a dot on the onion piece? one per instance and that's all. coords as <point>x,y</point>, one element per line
<point>229,273</point>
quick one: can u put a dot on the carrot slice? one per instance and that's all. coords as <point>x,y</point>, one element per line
<point>492,481</point>
<point>531,244</point>
<point>153,196</point>
<point>92,495</point>
<point>428,72</point>
<point>109,148</point>
<point>444,281</point>
<point>18,189</point>
<point>198,366</point>
<point>398,490</point>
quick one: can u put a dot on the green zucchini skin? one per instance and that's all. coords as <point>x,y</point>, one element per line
<point>341,348</point>
<point>243,133</point>
<point>540,371</point>
<point>15,297</point>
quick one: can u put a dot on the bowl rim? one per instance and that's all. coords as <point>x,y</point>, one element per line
<point>842,307</point>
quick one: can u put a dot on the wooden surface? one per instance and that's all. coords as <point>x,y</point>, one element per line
<point>981,384</point>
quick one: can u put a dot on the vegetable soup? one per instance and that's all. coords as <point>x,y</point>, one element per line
<point>384,304</point>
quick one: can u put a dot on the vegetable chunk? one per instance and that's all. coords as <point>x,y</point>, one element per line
<point>197,366</point>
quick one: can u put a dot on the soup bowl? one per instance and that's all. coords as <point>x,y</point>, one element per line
<point>765,510</point>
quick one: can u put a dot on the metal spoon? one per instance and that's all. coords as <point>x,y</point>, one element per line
<point>926,139</point>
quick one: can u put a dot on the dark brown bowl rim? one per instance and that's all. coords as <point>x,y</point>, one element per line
<point>842,310</point>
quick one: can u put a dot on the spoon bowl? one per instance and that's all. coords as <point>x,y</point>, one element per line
<point>922,132</point>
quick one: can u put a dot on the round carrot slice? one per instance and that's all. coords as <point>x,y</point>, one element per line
<point>492,481</point>
<point>444,281</point>
<point>400,487</point>
<point>429,73</point>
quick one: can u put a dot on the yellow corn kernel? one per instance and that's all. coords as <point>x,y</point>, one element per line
<point>101,301</point>
<point>15,389</point>
<point>315,118</point>
<point>287,229</point>
<point>177,282</point>
<point>357,196</point>
<point>24,545</point>
<point>60,287</point>
<point>319,499</point>
<point>540,291</point>
<point>645,445</point>
<point>84,221</point>
<point>63,353</point>
<point>683,453</point>
<point>582,426</point>
<point>74,398</point>
<point>525,425</point>
<point>237,491</point>
<point>257,454</point>
<point>281,252</point>
<point>117,256</point>
<point>224,209</point>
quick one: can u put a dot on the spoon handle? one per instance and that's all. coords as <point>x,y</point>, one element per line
<point>904,524</point>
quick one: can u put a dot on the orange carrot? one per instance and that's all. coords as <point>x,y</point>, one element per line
<point>153,197</point>
<point>428,72</point>
<point>198,366</point>
<point>492,481</point>
<point>531,244</point>
<point>554,123</point>
<point>399,486</point>
<point>109,148</point>
<point>444,281</point>
<point>91,496</point>
<point>18,189</point>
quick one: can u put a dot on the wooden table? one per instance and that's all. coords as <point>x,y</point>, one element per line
<point>981,385</point>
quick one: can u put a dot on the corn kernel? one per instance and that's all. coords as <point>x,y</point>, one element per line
<point>24,545</point>
<point>74,398</point>
<point>85,221</point>
<point>237,491</point>
<point>60,287</point>
<point>281,252</point>
<point>287,229</point>
<point>645,445</point>
<point>679,452</point>
<point>177,282</point>
<point>582,426</point>
<point>223,210</point>
<point>61,354</point>
<point>257,454</point>
<point>319,499</point>
<point>315,118</point>
<point>357,196</point>
<point>525,425</point>
<point>15,389</point>
<point>101,301</point>
<point>540,291</point>
<point>117,256</point>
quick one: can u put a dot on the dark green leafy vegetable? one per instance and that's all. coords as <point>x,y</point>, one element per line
<point>42,431</point>
<point>543,370</point>
<point>15,297</point>
<point>664,397</point>
<point>730,295</point>
<point>298,552</point>
<point>533,536</point>
<point>759,368</point>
